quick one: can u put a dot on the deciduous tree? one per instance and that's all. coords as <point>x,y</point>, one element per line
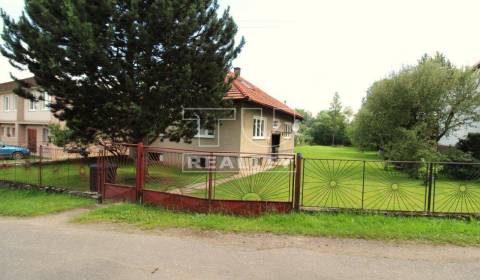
<point>431,100</point>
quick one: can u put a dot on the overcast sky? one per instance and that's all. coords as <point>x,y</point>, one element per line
<point>303,51</point>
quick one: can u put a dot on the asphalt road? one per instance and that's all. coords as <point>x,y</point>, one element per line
<point>51,248</point>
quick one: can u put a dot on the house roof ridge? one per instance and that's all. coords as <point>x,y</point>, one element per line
<point>242,89</point>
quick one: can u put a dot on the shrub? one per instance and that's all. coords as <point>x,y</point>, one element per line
<point>466,171</point>
<point>471,144</point>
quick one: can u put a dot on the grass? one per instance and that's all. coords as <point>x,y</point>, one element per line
<point>378,227</point>
<point>329,152</point>
<point>33,202</point>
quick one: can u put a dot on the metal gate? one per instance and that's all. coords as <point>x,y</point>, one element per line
<point>118,174</point>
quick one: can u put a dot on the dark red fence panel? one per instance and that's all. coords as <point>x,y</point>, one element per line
<point>180,202</point>
<point>119,193</point>
<point>173,201</point>
<point>249,208</point>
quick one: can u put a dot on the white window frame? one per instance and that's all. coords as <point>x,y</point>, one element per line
<point>46,102</point>
<point>205,133</point>
<point>14,105</point>
<point>287,130</point>
<point>6,103</point>
<point>45,136</point>
<point>32,106</point>
<point>259,132</point>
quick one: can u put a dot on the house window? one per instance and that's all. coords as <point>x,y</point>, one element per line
<point>45,134</point>
<point>205,133</point>
<point>14,104</point>
<point>32,105</point>
<point>46,101</point>
<point>6,103</point>
<point>287,130</point>
<point>258,127</point>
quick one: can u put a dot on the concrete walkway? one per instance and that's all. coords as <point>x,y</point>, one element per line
<point>51,248</point>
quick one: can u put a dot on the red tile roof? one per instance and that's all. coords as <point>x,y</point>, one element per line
<point>243,90</point>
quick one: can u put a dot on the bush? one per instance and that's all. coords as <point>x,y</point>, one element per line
<point>408,147</point>
<point>466,171</point>
<point>471,144</point>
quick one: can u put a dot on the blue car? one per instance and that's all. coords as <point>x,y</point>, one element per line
<point>13,152</point>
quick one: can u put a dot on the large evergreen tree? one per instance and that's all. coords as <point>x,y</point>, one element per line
<point>122,70</point>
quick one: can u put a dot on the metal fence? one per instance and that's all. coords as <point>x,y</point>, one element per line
<point>249,183</point>
<point>50,167</point>
<point>433,187</point>
<point>228,182</point>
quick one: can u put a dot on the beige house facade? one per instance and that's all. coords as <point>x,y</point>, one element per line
<point>24,122</point>
<point>259,124</point>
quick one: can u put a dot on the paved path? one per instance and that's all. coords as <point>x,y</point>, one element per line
<point>50,248</point>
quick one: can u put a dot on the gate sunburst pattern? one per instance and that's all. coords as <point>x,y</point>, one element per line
<point>332,183</point>
<point>459,196</point>
<point>388,187</point>
<point>263,179</point>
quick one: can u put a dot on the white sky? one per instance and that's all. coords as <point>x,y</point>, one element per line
<point>303,51</point>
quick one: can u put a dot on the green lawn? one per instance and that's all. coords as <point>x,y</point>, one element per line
<point>32,202</point>
<point>428,230</point>
<point>329,152</point>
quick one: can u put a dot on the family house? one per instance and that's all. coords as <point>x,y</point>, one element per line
<point>24,122</point>
<point>258,123</point>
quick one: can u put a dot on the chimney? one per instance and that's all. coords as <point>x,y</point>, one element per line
<point>237,70</point>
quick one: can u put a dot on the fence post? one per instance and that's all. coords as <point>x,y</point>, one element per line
<point>298,181</point>
<point>140,172</point>
<point>430,179</point>
<point>210,182</point>
<point>363,184</point>
<point>40,167</point>
<point>101,172</point>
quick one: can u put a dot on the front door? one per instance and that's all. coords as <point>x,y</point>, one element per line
<point>32,140</point>
<point>275,143</point>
